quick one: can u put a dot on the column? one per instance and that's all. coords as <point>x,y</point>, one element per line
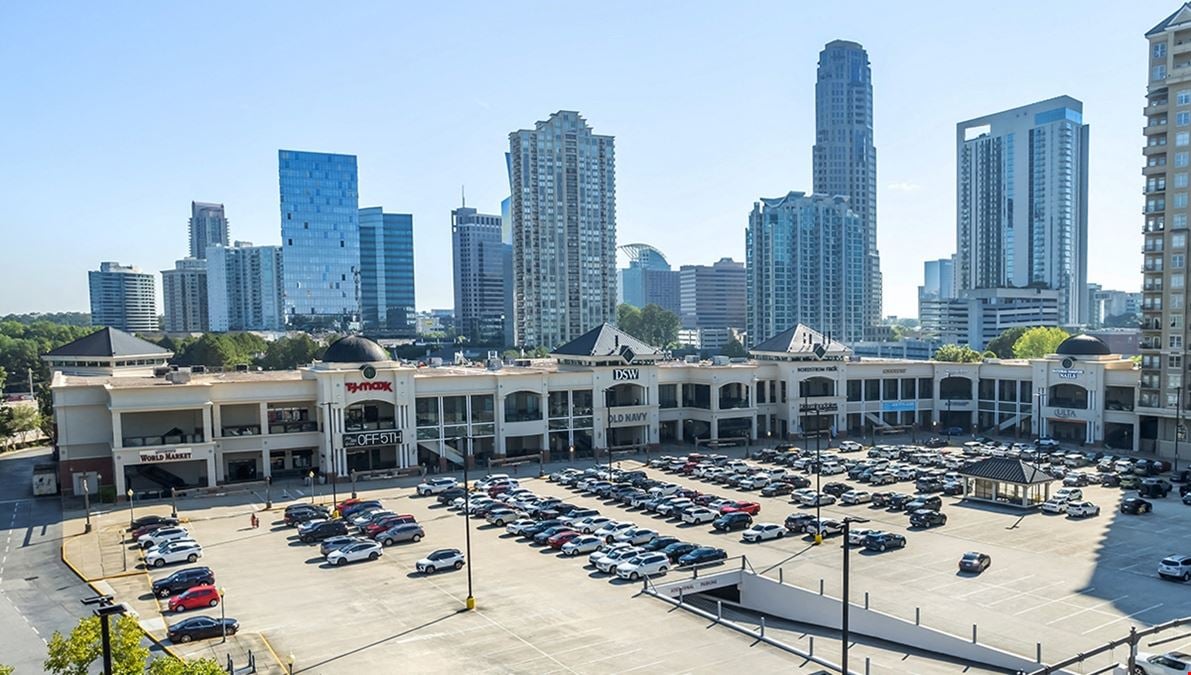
<point>207,433</point>
<point>117,435</point>
<point>212,467</point>
<point>263,416</point>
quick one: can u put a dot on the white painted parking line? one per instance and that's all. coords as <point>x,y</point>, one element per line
<point>1033,591</point>
<point>1006,586</point>
<point>1122,618</point>
<point>1053,600</point>
<point>1089,608</point>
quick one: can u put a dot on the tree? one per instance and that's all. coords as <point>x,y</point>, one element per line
<point>1002,345</point>
<point>74,654</point>
<point>6,670</point>
<point>1038,342</point>
<point>958,354</point>
<point>3,380</point>
<point>653,324</point>
<point>18,419</point>
<point>288,353</point>
<point>168,665</point>
<point>733,349</point>
<point>628,319</point>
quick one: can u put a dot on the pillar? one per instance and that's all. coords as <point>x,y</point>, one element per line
<point>263,417</point>
<point>207,428</point>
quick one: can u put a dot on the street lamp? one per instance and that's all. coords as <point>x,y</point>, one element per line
<point>268,492</point>
<point>310,475</point>
<point>131,515</point>
<point>471,600</point>
<point>222,613</point>
<point>105,611</point>
<point>87,503</point>
<point>847,599</point>
<point>290,662</point>
<point>173,502</point>
<point>334,455</point>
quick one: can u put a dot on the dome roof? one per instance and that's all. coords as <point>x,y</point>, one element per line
<point>355,349</point>
<point>1083,345</point>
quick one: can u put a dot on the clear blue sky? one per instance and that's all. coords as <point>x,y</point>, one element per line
<point>117,115</point>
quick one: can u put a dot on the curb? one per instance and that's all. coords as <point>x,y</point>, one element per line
<point>284,667</point>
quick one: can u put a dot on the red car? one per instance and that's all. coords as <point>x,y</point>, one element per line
<point>561,538</point>
<point>751,508</point>
<point>499,489</point>
<point>346,503</point>
<point>205,595</point>
<point>375,528</point>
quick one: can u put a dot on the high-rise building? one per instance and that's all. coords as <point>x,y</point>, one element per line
<point>845,160</point>
<point>806,264</point>
<point>648,279</point>
<point>245,288</point>
<point>564,230</point>
<point>1021,202</point>
<point>479,255</point>
<point>208,226</point>
<point>712,301</point>
<point>123,297</point>
<point>320,239</point>
<point>975,317</point>
<point>938,283</point>
<point>184,290</point>
<point>387,272</point>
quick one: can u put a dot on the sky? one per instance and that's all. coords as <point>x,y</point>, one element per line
<point>116,115</point>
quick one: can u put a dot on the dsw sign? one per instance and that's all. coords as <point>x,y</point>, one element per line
<point>356,387</point>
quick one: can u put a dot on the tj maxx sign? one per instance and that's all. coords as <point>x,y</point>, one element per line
<point>357,387</point>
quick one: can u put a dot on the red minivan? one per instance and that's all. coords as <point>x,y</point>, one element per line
<point>205,595</point>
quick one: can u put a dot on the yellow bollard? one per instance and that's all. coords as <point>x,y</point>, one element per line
<point>818,539</point>
<point>471,602</point>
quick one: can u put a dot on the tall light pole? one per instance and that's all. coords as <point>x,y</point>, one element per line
<point>334,455</point>
<point>847,599</point>
<point>269,491</point>
<point>222,613</point>
<point>87,503</point>
<point>131,515</point>
<point>173,502</point>
<point>471,599</point>
<point>310,475</point>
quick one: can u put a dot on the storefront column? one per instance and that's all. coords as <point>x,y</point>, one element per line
<point>263,418</point>
<point>117,438</point>
<point>266,462</point>
<point>208,432</point>
<point>715,428</point>
<point>212,467</point>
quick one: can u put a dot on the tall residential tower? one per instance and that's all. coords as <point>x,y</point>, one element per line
<point>845,160</point>
<point>123,297</point>
<point>208,226</point>
<point>184,290</point>
<point>479,257</point>
<point>564,230</point>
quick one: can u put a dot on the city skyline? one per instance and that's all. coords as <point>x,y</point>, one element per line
<point>767,154</point>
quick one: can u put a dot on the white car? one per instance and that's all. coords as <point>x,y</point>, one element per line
<point>753,482</point>
<point>763,531</point>
<point>174,552</point>
<point>675,507</point>
<point>585,543</point>
<point>434,486</point>
<point>613,528</point>
<point>817,499</point>
<point>609,562</point>
<point>1082,509</point>
<point>664,490</point>
<point>1055,504</point>
<point>856,497</point>
<point>358,519</point>
<point>1175,567</point>
<point>1170,663</point>
<point>832,468</point>
<point>1071,494</point>
<point>162,535</point>
<point>857,536</point>
<point>442,559</point>
<point>636,535</point>
<point>698,515</point>
<point>493,479</point>
<point>643,565</point>
<point>519,527</point>
<point>598,555</point>
<point>850,446</point>
<point>590,524</point>
<point>365,550</point>
<point>826,525</point>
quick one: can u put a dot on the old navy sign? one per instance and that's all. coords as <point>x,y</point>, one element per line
<point>372,439</point>
<point>177,455</point>
<point>627,418</point>
<point>356,387</point>
<point>619,374</point>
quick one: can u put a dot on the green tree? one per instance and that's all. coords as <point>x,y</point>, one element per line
<point>958,354</point>
<point>3,380</point>
<point>73,654</point>
<point>6,670</point>
<point>167,665</point>
<point>734,349</point>
<point>288,353</point>
<point>18,419</point>
<point>1038,342</point>
<point>628,319</point>
<point>1002,345</point>
<point>651,324</point>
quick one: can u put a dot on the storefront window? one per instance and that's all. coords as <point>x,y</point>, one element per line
<point>581,402</point>
<point>483,409</point>
<point>426,411</point>
<point>454,410</point>
<point>559,404</point>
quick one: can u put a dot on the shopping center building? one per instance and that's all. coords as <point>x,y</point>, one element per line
<point>125,418</point>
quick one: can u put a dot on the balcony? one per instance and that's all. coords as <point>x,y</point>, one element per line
<point>1155,128</point>
<point>1154,148</point>
<point>378,424</point>
<point>300,427</point>
<point>174,437</point>
<point>241,430</point>
<point>727,403</point>
<point>1158,106</point>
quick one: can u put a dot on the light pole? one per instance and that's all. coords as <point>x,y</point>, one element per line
<point>290,662</point>
<point>131,515</point>
<point>471,600</point>
<point>222,613</point>
<point>173,502</point>
<point>1178,429</point>
<point>334,455</point>
<point>268,492</point>
<point>847,599</point>
<point>105,611</point>
<point>312,488</point>
<point>87,503</point>
<point>818,489</point>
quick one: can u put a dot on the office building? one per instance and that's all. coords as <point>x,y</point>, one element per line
<point>320,239</point>
<point>245,288</point>
<point>479,255</point>
<point>712,299</point>
<point>1112,309</point>
<point>938,284</point>
<point>1021,202</point>
<point>1167,163</point>
<point>208,226</point>
<point>564,229</point>
<point>978,316</point>
<point>123,297</point>
<point>184,290</point>
<point>387,272</point>
<point>806,264</point>
<point>647,279</point>
<point>845,160</point>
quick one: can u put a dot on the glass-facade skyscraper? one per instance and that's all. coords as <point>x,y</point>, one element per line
<point>805,264</point>
<point>387,272</point>
<point>564,230</point>
<point>1021,202</point>
<point>320,239</point>
<point>845,160</point>
<point>479,254</point>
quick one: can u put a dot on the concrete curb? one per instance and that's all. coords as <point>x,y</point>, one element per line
<point>280,664</point>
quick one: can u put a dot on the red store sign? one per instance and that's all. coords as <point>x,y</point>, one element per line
<point>356,387</point>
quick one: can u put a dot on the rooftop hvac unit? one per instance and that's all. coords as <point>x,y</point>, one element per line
<point>691,358</point>
<point>198,369</point>
<point>435,362</point>
<point>720,360</point>
<point>495,364</point>
<point>241,367</point>
<point>179,376</point>
<point>522,363</point>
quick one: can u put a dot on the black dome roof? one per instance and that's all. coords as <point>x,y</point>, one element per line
<point>1083,345</point>
<point>355,349</point>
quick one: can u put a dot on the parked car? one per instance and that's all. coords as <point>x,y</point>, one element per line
<point>857,536</point>
<point>881,541</point>
<point>449,495</point>
<point>1136,505</point>
<point>317,531</point>
<point>500,516</point>
<point>776,489</point>
<point>151,519</point>
<point>1055,504</point>
<point>612,559</point>
<point>388,522</point>
<point>751,508</point>
<point>365,550</point>
<point>824,526</point>
<point>442,559</point>
<point>702,555</point>
<point>699,514</point>
<point>200,628</point>
<point>205,595</point>
<point>856,497</point>
<point>934,503</point>
<point>636,535</point>
<point>763,531</point>
<point>935,442</point>
<point>1170,663</point>
<point>1082,509</point>
<point>813,498</point>
<point>399,533</point>
<point>927,518</point>
<point>584,543</point>
<point>162,535</point>
<point>1175,567</point>
<point>174,552</point>
<point>797,522</point>
<point>973,561</point>
<point>182,580</point>
<point>736,520</point>
<point>331,543</point>
<point>350,509</point>
<point>305,514</point>
<point>643,565</point>
<point>1069,493</point>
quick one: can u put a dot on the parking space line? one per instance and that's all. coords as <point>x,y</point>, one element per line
<point>1053,600</point>
<point>1122,618</point>
<point>1090,608</point>
<point>1033,591</point>
<point>997,586</point>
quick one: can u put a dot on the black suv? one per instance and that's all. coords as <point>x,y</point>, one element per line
<point>737,520</point>
<point>898,500</point>
<point>797,522</point>
<point>302,515</point>
<point>920,502</point>
<point>183,580</point>
<point>323,530</point>
<point>836,489</point>
<point>927,518</point>
<point>449,495</point>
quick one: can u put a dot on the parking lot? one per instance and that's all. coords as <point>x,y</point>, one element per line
<point>1067,583</point>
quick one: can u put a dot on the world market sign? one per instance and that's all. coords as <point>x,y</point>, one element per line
<point>372,439</point>
<point>178,455</point>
